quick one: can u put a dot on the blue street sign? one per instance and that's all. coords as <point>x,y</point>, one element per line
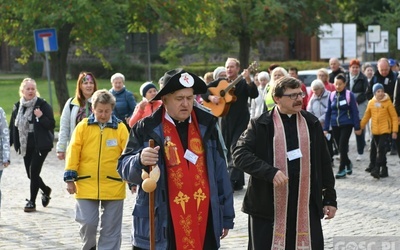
<point>45,40</point>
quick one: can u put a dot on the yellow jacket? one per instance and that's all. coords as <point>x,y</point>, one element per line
<point>383,116</point>
<point>92,159</point>
<point>269,100</point>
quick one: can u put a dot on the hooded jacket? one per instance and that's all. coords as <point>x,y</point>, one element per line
<point>383,116</point>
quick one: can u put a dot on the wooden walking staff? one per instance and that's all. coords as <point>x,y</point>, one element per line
<point>149,184</point>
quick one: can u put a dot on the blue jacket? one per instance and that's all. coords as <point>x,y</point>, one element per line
<point>125,103</point>
<point>341,112</point>
<point>130,169</point>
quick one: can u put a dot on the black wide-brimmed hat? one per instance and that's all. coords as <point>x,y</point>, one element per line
<point>177,79</point>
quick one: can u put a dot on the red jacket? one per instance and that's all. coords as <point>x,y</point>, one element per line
<point>139,113</point>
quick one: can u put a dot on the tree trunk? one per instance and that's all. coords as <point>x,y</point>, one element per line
<point>59,65</point>
<point>244,50</point>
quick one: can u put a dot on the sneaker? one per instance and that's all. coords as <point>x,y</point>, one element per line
<point>359,158</point>
<point>46,197</point>
<point>341,174</point>
<point>349,169</point>
<point>30,206</point>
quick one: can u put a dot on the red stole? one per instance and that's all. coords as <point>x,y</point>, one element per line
<point>189,194</point>
<point>281,193</point>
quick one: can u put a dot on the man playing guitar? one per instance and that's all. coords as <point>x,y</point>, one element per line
<point>238,116</point>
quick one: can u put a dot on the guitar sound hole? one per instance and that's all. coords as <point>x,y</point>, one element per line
<point>222,93</point>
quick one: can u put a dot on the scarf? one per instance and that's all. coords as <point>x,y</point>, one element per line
<point>24,116</point>
<point>281,193</point>
<point>188,189</point>
<point>83,112</point>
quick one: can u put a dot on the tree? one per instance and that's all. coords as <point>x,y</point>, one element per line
<point>250,21</point>
<point>389,19</point>
<point>385,13</point>
<point>352,11</point>
<point>222,22</point>
<point>87,24</point>
<point>182,21</point>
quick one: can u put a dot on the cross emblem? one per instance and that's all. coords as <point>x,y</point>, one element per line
<point>181,199</point>
<point>303,247</point>
<point>186,79</point>
<point>279,245</point>
<point>199,196</point>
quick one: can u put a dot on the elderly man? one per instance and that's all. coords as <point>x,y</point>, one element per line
<point>291,184</point>
<point>385,76</point>
<point>334,64</point>
<point>194,197</point>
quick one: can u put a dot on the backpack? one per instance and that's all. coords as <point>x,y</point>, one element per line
<point>348,98</point>
<point>71,105</point>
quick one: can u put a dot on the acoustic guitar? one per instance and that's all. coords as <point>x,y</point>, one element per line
<point>225,90</point>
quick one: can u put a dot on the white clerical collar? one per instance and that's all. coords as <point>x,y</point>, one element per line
<point>169,118</point>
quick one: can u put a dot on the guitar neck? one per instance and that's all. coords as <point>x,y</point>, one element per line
<point>232,84</point>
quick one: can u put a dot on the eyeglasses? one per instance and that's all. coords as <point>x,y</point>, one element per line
<point>295,95</point>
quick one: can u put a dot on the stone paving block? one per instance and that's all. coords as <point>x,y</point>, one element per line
<point>367,207</point>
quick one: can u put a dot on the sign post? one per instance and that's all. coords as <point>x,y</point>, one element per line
<point>338,40</point>
<point>46,41</point>
<point>374,36</point>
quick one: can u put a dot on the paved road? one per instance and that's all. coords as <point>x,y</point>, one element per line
<point>367,207</point>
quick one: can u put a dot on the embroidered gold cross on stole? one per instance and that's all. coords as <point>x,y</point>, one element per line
<point>199,196</point>
<point>181,199</point>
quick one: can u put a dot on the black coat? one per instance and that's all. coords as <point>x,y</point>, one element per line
<point>254,155</point>
<point>359,88</point>
<point>235,121</point>
<point>43,129</point>
<point>388,82</point>
<point>333,74</point>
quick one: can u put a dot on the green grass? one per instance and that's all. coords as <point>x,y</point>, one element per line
<point>9,92</point>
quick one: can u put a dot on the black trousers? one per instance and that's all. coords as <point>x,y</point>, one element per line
<point>378,152</point>
<point>342,136</point>
<point>33,161</point>
<point>261,231</point>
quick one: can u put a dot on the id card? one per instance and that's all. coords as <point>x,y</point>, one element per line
<point>294,154</point>
<point>190,156</point>
<point>342,102</point>
<point>111,142</point>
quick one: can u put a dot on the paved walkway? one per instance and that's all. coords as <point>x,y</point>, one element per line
<point>367,207</point>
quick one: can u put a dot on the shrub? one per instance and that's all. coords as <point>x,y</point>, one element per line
<point>35,69</point>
